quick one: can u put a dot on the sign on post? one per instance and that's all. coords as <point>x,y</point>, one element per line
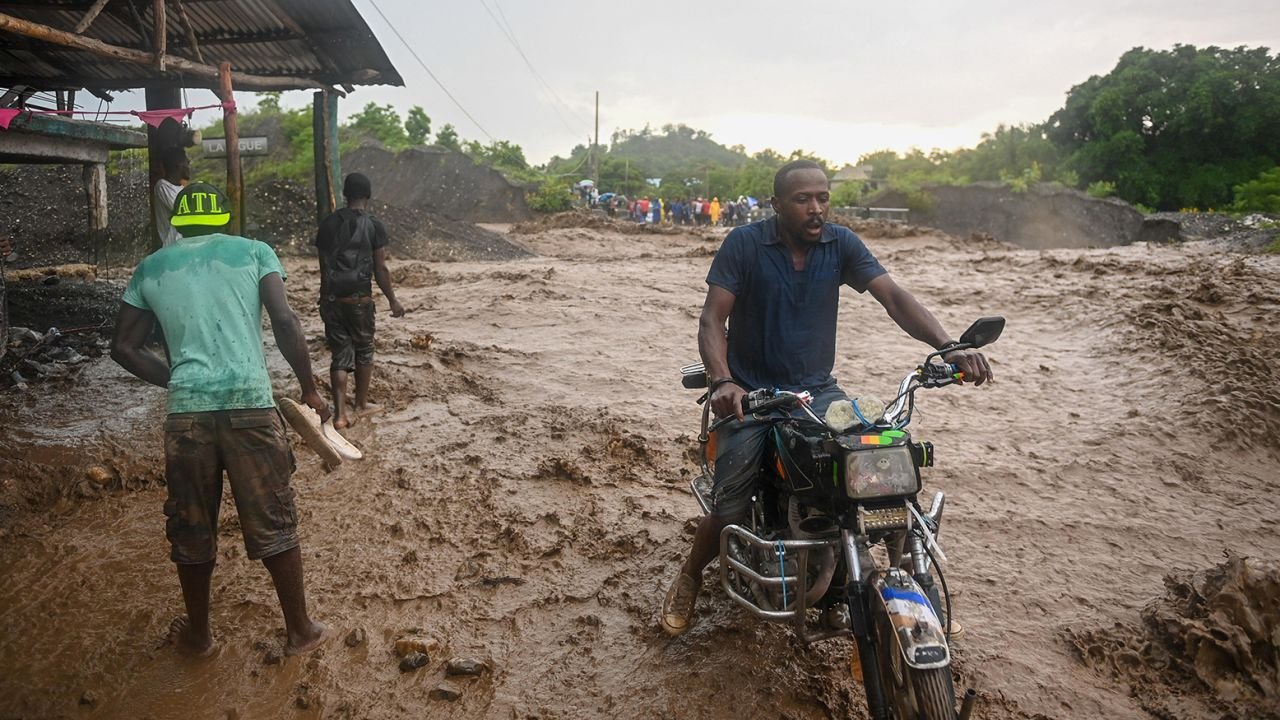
<point>217,147</point>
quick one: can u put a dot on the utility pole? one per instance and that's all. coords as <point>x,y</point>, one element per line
<point>595,146</point>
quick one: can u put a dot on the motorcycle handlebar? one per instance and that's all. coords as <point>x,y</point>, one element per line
<point>758,402</point>
<point>935,374</point>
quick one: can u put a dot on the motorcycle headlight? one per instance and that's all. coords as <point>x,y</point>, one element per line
<point>883,472</point>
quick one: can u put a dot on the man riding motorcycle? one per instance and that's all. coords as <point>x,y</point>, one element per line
<point>776,283</point>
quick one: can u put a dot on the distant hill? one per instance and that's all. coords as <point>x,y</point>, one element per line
<point>678,149</point>
<point>686,160</point>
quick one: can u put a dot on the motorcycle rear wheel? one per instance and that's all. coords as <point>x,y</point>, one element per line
<point>911,693</point>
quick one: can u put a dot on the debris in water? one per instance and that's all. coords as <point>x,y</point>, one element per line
<point>467,667</point>
<point>355,638</point>
<point>407,645</point>
<point>446,691</point>
<point>413,661</point>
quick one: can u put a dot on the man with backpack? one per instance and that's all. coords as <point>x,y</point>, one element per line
<point>351,245</point>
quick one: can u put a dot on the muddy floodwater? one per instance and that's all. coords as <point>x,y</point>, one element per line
<point>524,502</point>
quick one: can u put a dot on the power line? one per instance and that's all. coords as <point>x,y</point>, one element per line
<point>433,75</point>
<point>537,74</point>
<point>505,28</point>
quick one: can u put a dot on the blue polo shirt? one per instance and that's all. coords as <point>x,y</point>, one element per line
<point>782,330</point>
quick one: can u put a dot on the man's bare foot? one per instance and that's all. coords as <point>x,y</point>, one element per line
<point>345,420</point>
<point>368,409</point>
<point>183,638</point>
<point>319,634</point>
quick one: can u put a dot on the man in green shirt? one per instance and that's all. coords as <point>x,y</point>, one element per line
<point>207,291</point>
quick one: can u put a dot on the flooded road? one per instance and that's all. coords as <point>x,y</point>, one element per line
<point>524,499</point>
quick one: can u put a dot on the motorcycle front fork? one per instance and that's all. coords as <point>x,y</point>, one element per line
<point>856,550</point>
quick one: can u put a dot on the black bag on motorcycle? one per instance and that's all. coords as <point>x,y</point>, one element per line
<point>802,462</point>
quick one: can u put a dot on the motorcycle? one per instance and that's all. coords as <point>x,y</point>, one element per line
<point>836,542</point>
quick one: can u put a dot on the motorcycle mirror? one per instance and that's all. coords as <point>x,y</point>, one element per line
<point>983,331</point>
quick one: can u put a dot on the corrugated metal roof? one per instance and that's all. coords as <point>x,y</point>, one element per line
<point>326,41</point>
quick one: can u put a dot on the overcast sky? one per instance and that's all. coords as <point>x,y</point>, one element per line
<point>838,78</point>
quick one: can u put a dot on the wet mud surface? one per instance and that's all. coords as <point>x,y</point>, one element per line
<point>524,502</point>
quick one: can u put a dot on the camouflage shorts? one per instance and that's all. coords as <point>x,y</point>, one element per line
<point>250,445</point>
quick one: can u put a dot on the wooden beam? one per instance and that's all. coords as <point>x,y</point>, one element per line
<point>58,37</point>
<point>90,16</point>
<point>234,188</point>
<point>189,30</point>
<point>161,28</point>
<point>137,19</point>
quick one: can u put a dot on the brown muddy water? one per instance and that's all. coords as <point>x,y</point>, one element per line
<point>524,502</point>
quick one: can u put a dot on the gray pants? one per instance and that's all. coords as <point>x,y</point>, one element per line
<point>740,448</point>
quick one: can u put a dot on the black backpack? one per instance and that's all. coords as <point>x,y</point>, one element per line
<point>349,264</point>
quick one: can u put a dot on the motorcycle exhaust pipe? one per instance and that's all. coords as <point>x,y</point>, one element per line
<point>966,705</point>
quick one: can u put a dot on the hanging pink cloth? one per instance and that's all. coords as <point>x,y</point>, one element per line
<point>155,117</point>
<point>7,115</point>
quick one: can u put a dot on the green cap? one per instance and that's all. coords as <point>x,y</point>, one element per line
<point>200,204</point>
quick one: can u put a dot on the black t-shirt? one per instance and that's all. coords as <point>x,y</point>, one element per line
<point>339,235</point>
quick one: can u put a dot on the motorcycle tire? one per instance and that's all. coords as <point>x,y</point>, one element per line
<point>911,693</point>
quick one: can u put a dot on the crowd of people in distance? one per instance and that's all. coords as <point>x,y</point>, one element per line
<point>683,211</point>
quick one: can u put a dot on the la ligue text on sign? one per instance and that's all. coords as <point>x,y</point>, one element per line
<point>248,146</point>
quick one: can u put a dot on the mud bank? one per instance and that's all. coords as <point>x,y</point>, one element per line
<point>1045,216</point>
<point>524,502</point>
<point>1207,648</point>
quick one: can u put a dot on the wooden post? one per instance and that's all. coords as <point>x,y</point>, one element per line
<point>328,163</point>
<point>162,33</point>
<point>595,147</point>
<point>235,192</point>
<point>158,98</point>
<point>95,185</point>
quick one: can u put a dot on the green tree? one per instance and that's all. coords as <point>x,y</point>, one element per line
<point>1177,128</point>
<point>1262,194</point>
<point>381,123</point>
<point>1010,151</point>
<point>447,137</point>
<point>551,195</point>
<point>417,126</point>
<point>269,102</point>
<point>499,154</point>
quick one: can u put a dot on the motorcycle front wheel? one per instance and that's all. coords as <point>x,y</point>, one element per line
<point>911,693</point>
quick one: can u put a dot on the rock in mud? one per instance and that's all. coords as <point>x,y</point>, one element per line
<point>466,667</point>
<point>88,698</point>
<point>413,661</point>
<point>272,657</point>
<point>98,475</point>
<point>445,691</point>
<point>355,638</point>
<point>406,645</point>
